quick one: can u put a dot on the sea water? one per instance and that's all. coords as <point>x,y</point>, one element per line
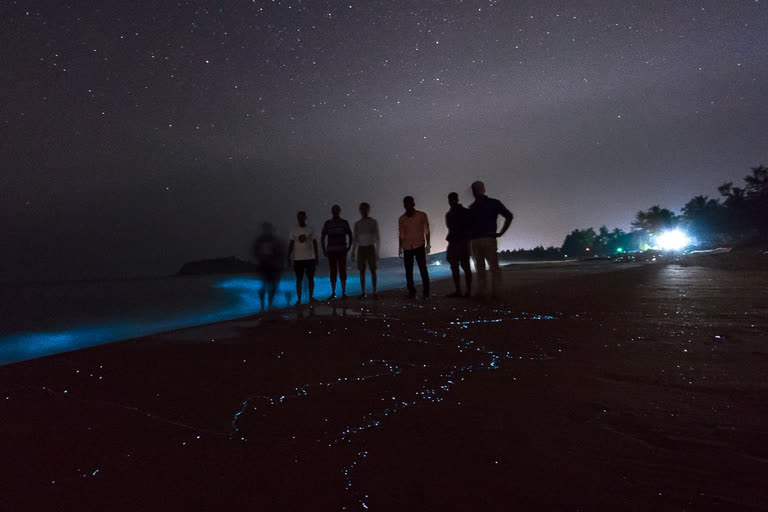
<point>43,319</point>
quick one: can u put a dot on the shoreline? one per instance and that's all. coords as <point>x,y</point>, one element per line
<point>631,385</point>
<point>338,303</point>
<point>95,333</point>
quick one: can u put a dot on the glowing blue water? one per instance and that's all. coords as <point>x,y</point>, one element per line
<point>41,320</point>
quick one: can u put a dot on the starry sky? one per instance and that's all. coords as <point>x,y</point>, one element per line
<point>135,136</point>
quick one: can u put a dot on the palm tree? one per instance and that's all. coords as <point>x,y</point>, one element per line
<point>757,197</point>
<point>734,196</point>
<point>655,220</point>
<point>757,183</point>
<point>703,216</point>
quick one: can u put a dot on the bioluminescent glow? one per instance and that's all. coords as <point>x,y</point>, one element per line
<point>437,384</point>
<point>208,301</point>
<point>673,240</point>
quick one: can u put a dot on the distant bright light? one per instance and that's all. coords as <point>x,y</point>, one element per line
<point>673,240</point>
<point>619,250</point>
<point>438,263</point>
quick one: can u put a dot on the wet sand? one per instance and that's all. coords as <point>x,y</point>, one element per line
<point>586,386</point>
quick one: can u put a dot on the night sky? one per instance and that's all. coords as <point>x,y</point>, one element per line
<point>135,136</point>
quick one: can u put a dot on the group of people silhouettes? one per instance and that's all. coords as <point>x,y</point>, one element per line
<point>472,233</point>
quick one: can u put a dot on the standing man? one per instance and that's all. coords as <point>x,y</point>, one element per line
<point>303,246</point>
<point>484,213</point>
<point>413,227</point>
<point>337,231</point>
<point>457,222</point>
<point>366,241</point>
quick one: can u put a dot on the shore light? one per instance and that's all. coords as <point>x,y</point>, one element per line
<point>673,240</point>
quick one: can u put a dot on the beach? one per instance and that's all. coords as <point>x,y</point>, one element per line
<point>584,386</point>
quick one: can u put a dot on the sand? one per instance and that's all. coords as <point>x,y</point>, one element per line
<point>584,387</point>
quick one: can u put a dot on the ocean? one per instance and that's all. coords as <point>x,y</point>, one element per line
<point>37,320</point>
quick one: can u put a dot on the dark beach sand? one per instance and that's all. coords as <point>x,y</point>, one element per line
<point>586,387</point>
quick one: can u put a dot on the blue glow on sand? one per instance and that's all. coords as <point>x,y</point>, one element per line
<point>221,299</point>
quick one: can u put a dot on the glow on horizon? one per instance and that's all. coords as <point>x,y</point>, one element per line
<point>673,240</point>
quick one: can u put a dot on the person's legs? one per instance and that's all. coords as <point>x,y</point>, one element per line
<point>373,279</point>
<point>361,269</point>
<point>467,274</point>
<point>453,260</point>
<point>369,259</point>
<point>456,275</point>
<point>342,258</point>
<point>372,267</point>
<point>408,262</point>
<point>274,281</point>
<point>262,294</point>
<point>311,279</point>
<point>492,256</point>
<point>298,267</point>
<point>478,256</point>
<point>333,266</point>
<point>421,260</point>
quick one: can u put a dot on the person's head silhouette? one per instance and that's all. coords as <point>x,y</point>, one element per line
<point>409,204</point>
<point>478,189</point>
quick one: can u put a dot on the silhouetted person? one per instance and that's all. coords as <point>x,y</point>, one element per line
<point>303,245</point>
<point>269,255</point>
<point>413,227</point>
<point>458,224</point>
<point>339,241</point>
<point>366,244</point>
<point>484,213</point>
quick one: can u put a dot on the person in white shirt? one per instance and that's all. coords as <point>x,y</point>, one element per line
<point>303,246</point>
<point>365,246</point>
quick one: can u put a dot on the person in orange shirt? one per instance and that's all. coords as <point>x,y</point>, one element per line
<point>413,227</point>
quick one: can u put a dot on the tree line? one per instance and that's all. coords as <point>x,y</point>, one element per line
<point>739,215</point>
